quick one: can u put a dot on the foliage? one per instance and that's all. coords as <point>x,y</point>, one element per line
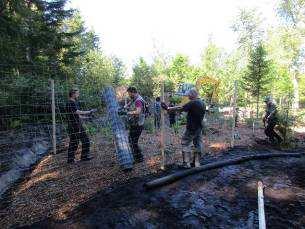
<point>286,121</point>
<point>258,73</point>
<point>149,125</point>
<point>142,78</point>
<point>248,26</point>
<point>175,99</point>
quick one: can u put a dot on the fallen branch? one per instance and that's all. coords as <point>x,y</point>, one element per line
<point>181,174</point>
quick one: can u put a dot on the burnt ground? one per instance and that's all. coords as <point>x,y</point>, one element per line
<point>219,198</point>
<point>98,194</point>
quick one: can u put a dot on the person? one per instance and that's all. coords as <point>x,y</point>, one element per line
<point>76,130</point>
<point>157,113</point>
<point>136,118</point>
<point>271,120</point>
<point>195,109</point>
<point>172,115</point>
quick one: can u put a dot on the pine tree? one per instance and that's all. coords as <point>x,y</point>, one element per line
<point>258,73</point>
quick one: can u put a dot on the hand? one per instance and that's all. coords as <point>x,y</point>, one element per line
<point>164,106</point>
<point>122,112</point>
<point>93,110</point>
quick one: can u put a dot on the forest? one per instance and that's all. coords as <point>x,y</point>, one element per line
<point>45,39</point>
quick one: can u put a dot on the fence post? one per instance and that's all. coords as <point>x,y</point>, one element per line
<point>162,144</point>
<point>234,114</point>
<point>261,210</point>
<point>53,117</point>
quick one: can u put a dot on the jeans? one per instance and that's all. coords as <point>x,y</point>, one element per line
<point>134,135</point>
<point>157,121</point>
<point>75,138</point>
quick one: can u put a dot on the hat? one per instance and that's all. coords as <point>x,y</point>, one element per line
<point>268,99</point>
<point>192,93</point>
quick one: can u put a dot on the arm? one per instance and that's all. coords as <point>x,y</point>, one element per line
<point>139,108</point>
<point>135,112</point>
<point>175,108</point>
<point>83,112</point>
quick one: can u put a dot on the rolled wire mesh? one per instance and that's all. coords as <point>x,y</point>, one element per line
<point>123,150</point>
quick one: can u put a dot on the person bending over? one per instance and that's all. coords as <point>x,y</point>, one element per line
<point>271,120</point>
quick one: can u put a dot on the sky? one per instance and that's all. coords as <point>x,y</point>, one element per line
<point>130,29</point>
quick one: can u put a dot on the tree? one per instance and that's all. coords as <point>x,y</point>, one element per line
<point>248,26</point>
<point>119,70</point>
<point>293,13</point>
<point>258,73</point>
<point>179,70</point>
<point>212,60</point>
<point>142,78</point>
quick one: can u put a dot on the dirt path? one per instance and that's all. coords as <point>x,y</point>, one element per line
<point>221,198</point>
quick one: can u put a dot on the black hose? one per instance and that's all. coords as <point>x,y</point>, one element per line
<point>178,175</point>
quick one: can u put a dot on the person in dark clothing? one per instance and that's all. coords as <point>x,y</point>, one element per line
<point>195,109</point>
<point>136,118</point>
<point>157,113</point>
<point>172,115</point>
<point>271,120</point>
<point>76,130</point>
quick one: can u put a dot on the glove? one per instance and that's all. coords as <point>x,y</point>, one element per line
<point>93,110</point>
<point>164,106</point>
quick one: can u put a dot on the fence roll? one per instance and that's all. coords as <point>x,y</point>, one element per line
<point>123,150</point>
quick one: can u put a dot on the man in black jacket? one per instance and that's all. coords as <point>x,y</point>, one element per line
<point>76,130</point>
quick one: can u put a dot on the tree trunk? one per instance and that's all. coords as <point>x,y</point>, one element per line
<point>295,104</point>
<point>257,102</point>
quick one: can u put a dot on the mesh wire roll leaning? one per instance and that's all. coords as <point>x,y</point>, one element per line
<point>123,150</point>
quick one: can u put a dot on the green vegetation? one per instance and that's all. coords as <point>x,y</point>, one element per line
<point>44,39</point>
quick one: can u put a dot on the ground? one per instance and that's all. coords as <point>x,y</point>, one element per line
<point>98,194</point>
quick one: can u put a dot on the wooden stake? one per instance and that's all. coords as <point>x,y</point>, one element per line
<point>234,114</point>
<point>162,144</point>
<point>261,210</point>
<point>53,117</point>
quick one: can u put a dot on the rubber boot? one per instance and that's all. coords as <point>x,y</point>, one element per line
<point>197,159</point>
<point>188,159</point>
<point>185,160</point>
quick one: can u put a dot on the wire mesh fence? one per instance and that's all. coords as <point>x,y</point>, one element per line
<point>37,182</point>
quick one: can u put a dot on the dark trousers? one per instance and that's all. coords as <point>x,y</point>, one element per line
<point>269,131</point>
<point>172,119</point>
<point>157,121</point>
<point>75,138</point>
<point>134,135</point>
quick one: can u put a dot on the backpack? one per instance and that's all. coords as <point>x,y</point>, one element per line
<point>145,107</point>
